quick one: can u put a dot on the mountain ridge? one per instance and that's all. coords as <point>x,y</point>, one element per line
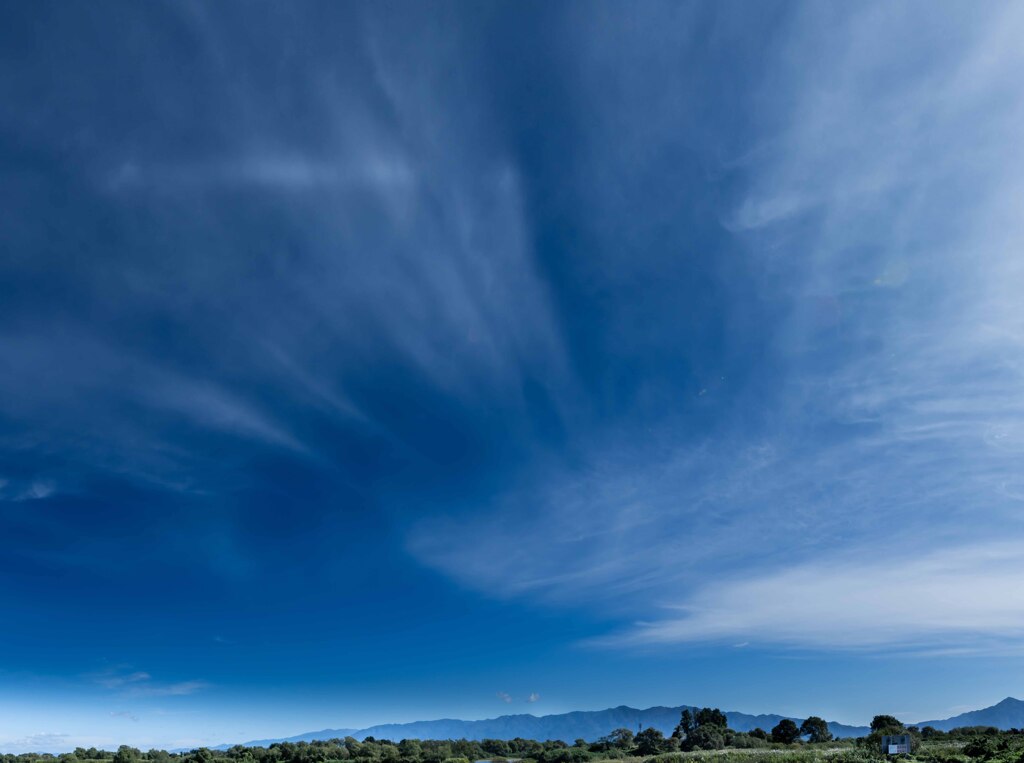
<point>593,724</point>
<point>1005,714</point>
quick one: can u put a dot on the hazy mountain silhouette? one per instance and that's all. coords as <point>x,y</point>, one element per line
<point>1008,714</point>
<point>593,724</point>
<point>586,724</point>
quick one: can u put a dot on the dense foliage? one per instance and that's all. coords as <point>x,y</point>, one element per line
<point>702,736</point>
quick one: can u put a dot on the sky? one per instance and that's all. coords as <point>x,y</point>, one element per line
<point>374,362</point>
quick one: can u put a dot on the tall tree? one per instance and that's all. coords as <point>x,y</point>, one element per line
<point>621,739</point>
<point>887,724</point>
<point>785,732</point>
<point>711,716</point>
<point>816,729</point>
<point>686,724</point>
<point>126,754</point>
<point>650,741</point>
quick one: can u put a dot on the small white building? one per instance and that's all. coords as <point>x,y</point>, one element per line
<point>896,744</point>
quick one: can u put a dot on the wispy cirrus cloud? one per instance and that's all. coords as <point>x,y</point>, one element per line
<point>285,173</point>
<point>965,599</point>
<point>115,679</point>
<point>411,255</point>
<point>26,490</point>
<point>43,742</point>
<point>879,213</point>
<point>137,683</point>
<point>176,689</point>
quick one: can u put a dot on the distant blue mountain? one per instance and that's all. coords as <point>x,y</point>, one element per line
<point>1008,714</point>
<point>309,736</point>
<point>589,725</point>
<point>585,724</point>
<point>593,724</point>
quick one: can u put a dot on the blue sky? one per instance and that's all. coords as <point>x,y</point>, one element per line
<point>380,362</point>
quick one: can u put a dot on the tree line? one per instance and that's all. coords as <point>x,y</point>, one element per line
<point>698,729</point>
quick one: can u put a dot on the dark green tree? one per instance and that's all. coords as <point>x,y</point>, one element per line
<point>410,750</point>
<point>706,737</point>
<point>686,724</point>
<point>785,732</point>
<point>744,741</point>
<point>496,747</point>
<point>816,729</point>
<point>887,724</point>
<point>201,755</point>
<point>711,716</point>
<point>705,729</point>
<point>126,754</point>
<point>650,741</point>
<point>620,739</point>
<point>979,748</point>
<point>527,748</point>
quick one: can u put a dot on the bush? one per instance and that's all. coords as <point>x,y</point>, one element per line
<point>706,738</point>
<point>978,747</point>
<point>743,741</point>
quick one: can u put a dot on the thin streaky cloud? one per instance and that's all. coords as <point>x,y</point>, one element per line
<point>563,318</point>
<point>874,600</point>
<point>902,413</point>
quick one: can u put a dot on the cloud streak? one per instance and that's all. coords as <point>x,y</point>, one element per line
<point>43,742</point>
<point>878,217</point>
<point>401,257</point>
<point>141,684</point>
<point>966,599</point>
